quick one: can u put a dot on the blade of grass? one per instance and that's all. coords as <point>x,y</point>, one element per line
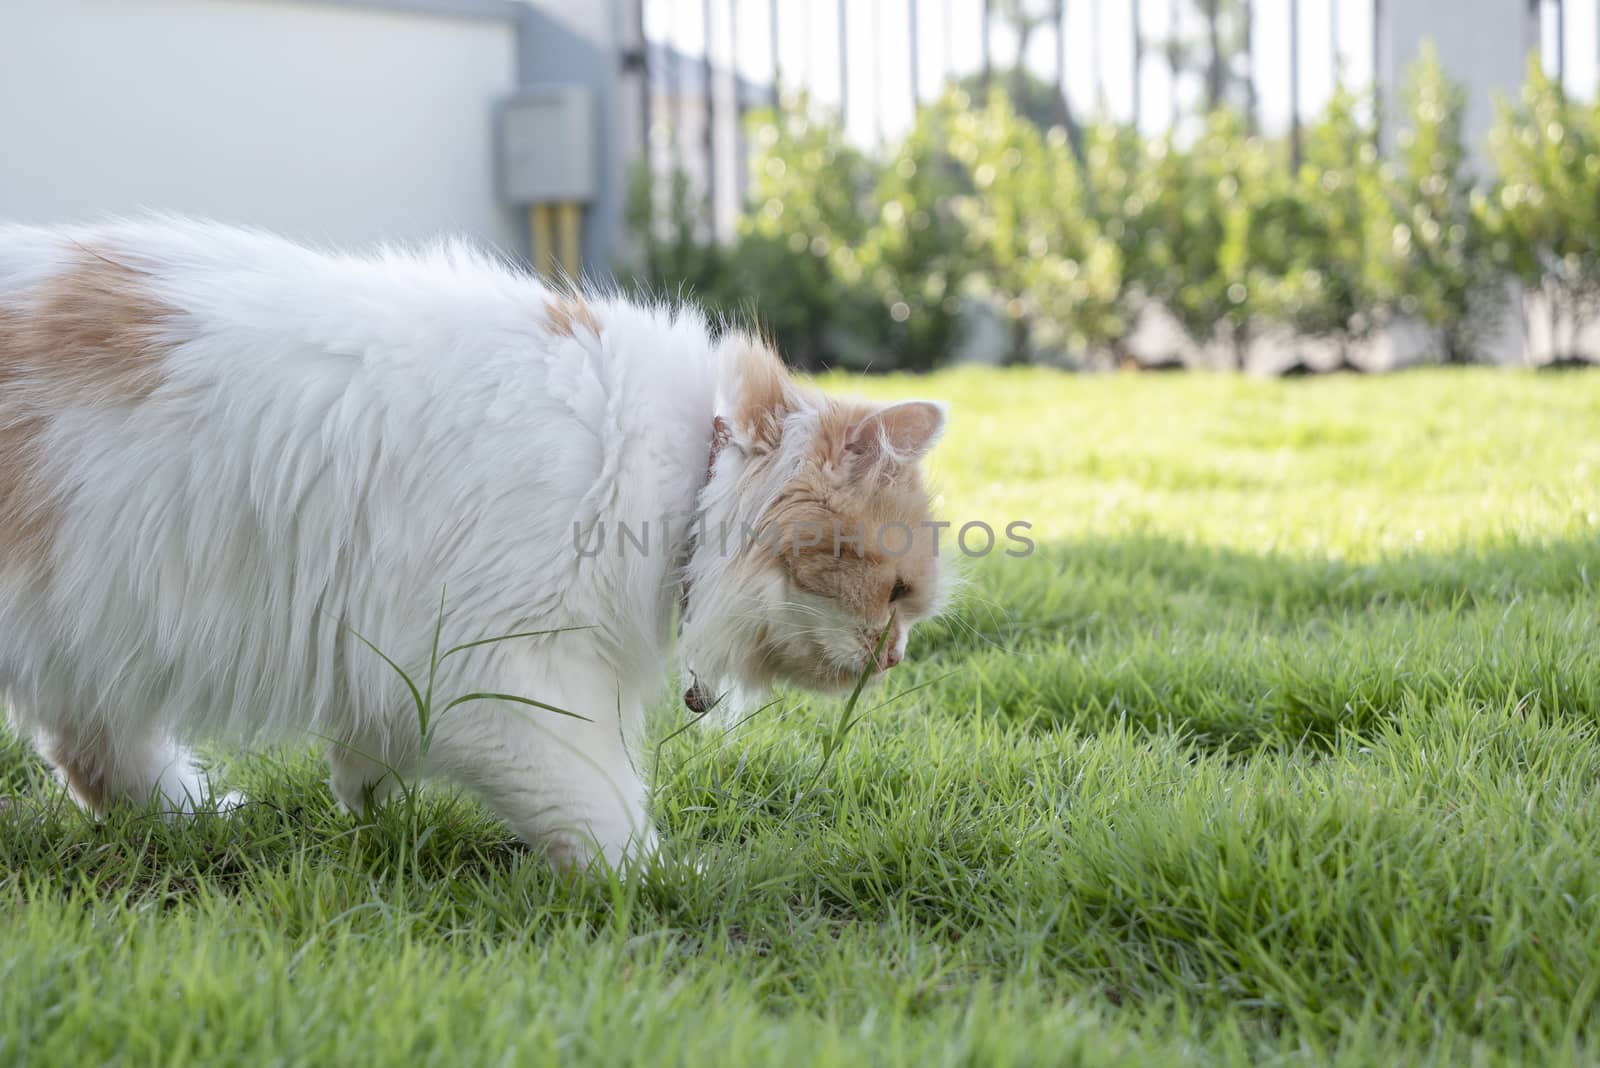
<point>433,668</point>
<point>530,702</point>
<point>847,718</point>
<point>463,647</point>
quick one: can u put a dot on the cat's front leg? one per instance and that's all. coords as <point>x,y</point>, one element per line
<point>566,786</point>
<point>114,762</point>
<point>366,768</point>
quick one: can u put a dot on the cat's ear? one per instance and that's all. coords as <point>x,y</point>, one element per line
<point>896,436</point>
<point>764,398</point>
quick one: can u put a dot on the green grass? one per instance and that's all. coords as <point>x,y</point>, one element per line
<point>1282,747</point>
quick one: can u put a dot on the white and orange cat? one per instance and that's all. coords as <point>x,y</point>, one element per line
<point>225,460</point>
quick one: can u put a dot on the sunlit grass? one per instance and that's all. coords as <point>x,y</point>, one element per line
<point>1349,467</point>
<point>1281,747</point>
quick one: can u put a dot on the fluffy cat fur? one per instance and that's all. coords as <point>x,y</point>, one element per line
<point>223,455</point>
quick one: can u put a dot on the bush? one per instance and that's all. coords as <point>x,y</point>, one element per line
<point>1542,217</point>
<point>873,261</point>
<point>1442,268</point>
<point>1340,263</point>
<point>809,210</point>
<point>1213,237</point>
<point>914,258</point>
<point>674,256</point>
<point>1038,253</point>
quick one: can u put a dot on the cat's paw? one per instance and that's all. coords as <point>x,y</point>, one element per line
<point>357,798</point>
<point>359,783</point>
<point>191,805</point>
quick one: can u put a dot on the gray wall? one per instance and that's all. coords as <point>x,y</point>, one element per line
<point>580,41</point>
<point>1484,45</point>
<point>330,120</point>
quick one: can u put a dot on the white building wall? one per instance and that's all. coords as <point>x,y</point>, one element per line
<point>1484,45</point>
<point>337,123</point>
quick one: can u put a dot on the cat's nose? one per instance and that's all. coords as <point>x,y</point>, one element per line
<point>891,657</point>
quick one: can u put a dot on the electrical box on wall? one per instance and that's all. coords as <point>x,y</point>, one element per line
<point>548,146</point>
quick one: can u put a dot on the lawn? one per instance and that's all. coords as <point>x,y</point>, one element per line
<point>1281,746</point>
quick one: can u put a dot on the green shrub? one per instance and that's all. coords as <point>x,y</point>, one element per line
<point>1215,233</point>
<point>1542,217</point>
<point>1122,190</point>
<point>673,255</point>
<point>1337,249</point>
<point>1445,274</point>
<point>809,209</point>
<point>869,260</point>
<point>914,258</point>
<point>1039,255</point>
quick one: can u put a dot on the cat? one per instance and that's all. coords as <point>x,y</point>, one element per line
<point>239,478</point>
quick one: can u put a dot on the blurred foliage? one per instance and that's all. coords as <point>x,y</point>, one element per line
<point>809,210</point>
<point>1339,272</point>
<point>1444,270</point>
<point>1215,50</point>
<point>1212,226</point>
<point>1542,217</point>
<point>915,259</point>
<point>673,254</point>
<point>1025,261</point>
<point>987,209</point>
<point>1031,96</point>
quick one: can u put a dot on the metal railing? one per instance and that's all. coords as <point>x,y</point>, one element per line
<point>708,61</point>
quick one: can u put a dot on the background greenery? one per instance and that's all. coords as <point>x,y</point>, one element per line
<point>1282,748</point>
<point>1067,231</point>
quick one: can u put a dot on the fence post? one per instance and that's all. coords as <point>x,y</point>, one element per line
<point>710,119</point>
<point>1294,83</point>
<point>637,60</point>
<point>916,79</point>
<point>741,173</point>
<point>1172,62</point>
<point>1252,96</point>
<point>772,47</point>
<point>1094,55</point>
<point>844,66</point>
<point>1536,29</point>
<point>988,54</point>
<point>1377,74</point>
<point>1138,65</point>
<point>1561,43</point>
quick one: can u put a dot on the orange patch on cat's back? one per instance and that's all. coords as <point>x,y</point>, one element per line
<point>93,334</point>
<point>94,329</point>
<point>566,313</point>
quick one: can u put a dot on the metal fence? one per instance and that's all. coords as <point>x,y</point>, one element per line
<point>1153,63</point>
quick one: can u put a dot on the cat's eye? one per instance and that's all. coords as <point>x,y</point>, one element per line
<point>900,590</point>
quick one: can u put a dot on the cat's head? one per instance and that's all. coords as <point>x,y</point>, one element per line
<point>817,538</point>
